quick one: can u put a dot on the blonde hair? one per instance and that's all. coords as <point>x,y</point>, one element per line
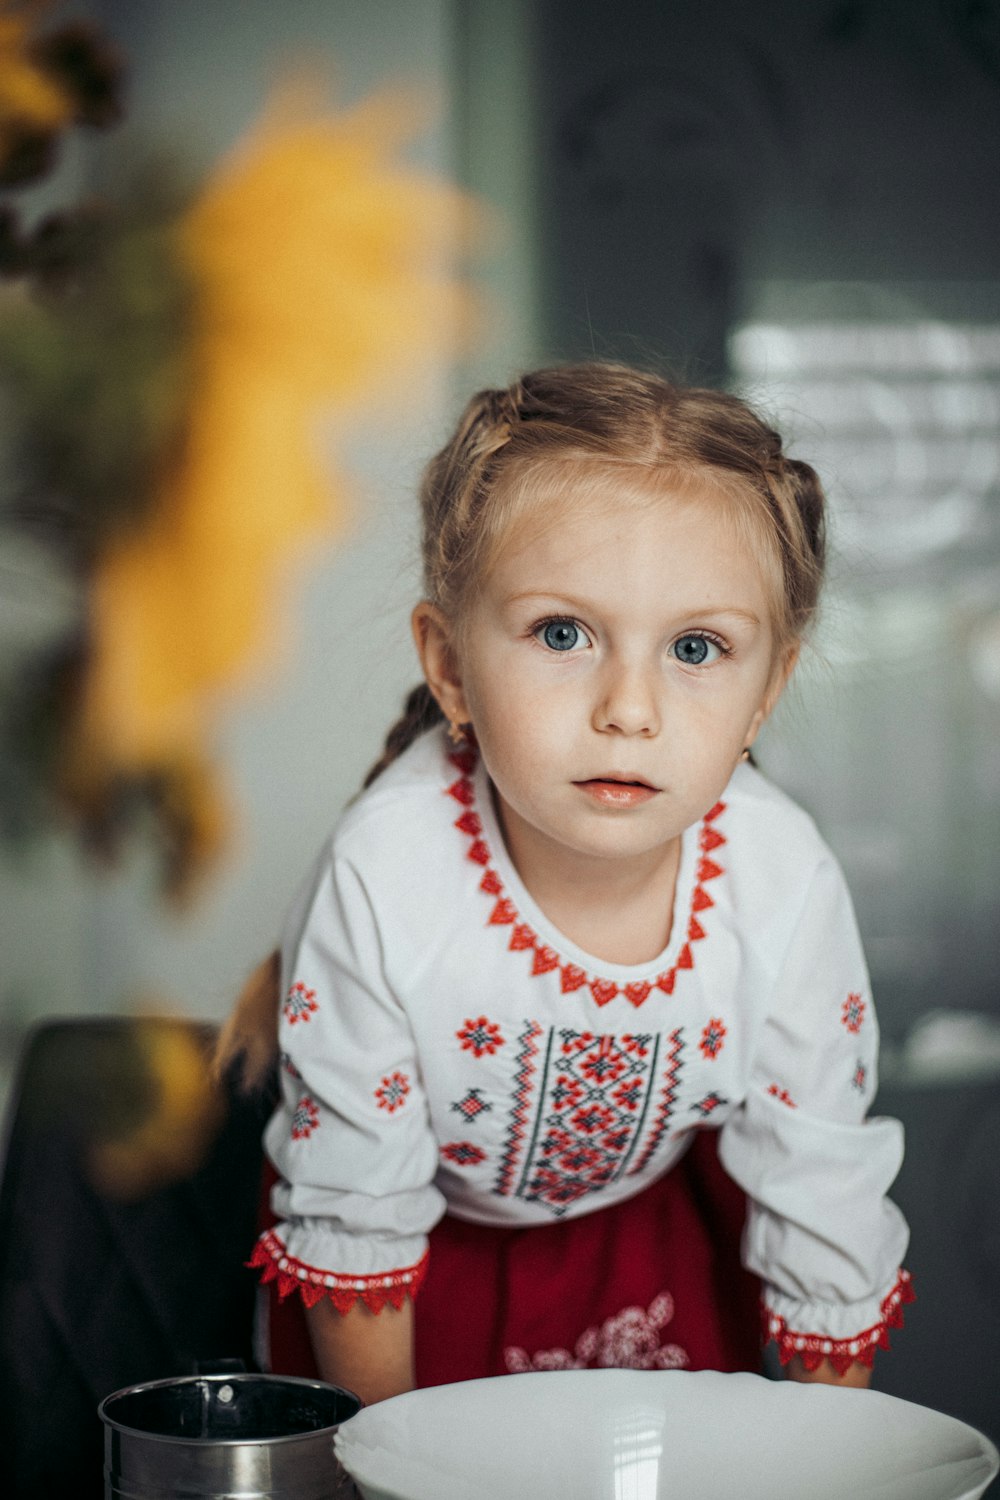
<point>475,489</point>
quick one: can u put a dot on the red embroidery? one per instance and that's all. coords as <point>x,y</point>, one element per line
<point>392,1091</point>
<point>526,1062</point>
<point>814,1348</point>
<point>783,1095</point>
<point>631,1340</point>
<point>392,1287</point>
<point>860,1077</point>
<point>480,1036</point>
<point>544,959</point>
<point>300,1003</point>
<point>289,1067</point>
<point>305,1118</point>
<point>668,1099</point>
<point>853,1012</point>
<point>463,1153</point>
<point>711,1039</point>
<point>709,1105</point>
<point>472,1106</point>
<point>591,1104</point>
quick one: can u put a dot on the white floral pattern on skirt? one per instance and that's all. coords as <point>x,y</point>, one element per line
<point>631,1340</point>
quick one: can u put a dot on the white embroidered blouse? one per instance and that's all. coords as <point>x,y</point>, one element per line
<point>445,1047</point>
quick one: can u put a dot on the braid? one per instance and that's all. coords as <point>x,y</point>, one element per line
<point>420,712</point>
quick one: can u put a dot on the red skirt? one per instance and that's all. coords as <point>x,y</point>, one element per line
<point>652,1283</point>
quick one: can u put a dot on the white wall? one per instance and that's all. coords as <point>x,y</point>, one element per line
<point>74,941</point>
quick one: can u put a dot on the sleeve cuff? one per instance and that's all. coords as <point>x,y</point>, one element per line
<point>270,1256</point>
<point>792,1339</point>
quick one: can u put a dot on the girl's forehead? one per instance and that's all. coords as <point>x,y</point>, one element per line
<point>584,499</point>
<point>600,494</point>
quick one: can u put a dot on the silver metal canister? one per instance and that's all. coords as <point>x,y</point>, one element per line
<point>212,1437</point>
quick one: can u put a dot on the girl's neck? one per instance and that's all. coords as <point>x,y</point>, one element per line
<point>618,911</point>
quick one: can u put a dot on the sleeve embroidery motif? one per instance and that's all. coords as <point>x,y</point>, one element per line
<point>392,1091</point>
<point>300,1003</point>
<point>305,1118</point>
<point>853,1012</point>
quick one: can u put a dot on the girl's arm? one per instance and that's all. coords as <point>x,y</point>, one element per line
<point>857,1375</point>
<point>368,1353</point>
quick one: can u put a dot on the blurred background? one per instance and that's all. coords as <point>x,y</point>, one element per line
<point>797,198</point>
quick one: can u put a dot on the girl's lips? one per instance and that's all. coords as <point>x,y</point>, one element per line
<point>611,793</point>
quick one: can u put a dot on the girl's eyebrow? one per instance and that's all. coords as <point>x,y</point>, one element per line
<point>567,601</point>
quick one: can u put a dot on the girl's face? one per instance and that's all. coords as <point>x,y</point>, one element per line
<point>614,664</point>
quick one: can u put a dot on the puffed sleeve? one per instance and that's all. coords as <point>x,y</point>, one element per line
<point>820,1231</point>
<point>351,1140</point>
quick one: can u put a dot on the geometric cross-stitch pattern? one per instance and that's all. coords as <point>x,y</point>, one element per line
<point>463,1153</point>
<point>853,1012</point>
<point>300,1003</point>
<point>305,1118</point>
<point>472,1105</point>
<point>590,1107</point>
<point>392,1091</point>
<point>666,1109</point>
<point>479,1036</point>
<point>708,1105</point>
<point>711,1039</point>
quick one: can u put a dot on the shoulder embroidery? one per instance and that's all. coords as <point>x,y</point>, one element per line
<point>544,960</point>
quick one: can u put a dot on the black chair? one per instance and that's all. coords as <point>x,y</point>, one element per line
<point>125,1224</point>
<point>949,1190</point>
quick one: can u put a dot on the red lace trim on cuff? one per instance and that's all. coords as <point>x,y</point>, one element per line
<point>293,1275</point>
<point>814,1348</point>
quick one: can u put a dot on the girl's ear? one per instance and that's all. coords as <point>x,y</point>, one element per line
<point>434,638</point>
<point>780,673</point>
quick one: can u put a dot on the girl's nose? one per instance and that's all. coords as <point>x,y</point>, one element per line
<point>629,701</point>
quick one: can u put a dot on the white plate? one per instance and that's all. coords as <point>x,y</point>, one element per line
<point>659,1435</point>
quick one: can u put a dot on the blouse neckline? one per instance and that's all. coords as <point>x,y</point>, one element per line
<point>532,932</point>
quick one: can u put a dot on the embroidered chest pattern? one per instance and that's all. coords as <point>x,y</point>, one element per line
<point>545,960</point>
<point>581,1112</point>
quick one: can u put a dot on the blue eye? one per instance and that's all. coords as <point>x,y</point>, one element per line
<point>562,635</point>
<point>696,650</point>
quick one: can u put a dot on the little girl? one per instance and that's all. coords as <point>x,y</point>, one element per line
<point>568,938</point>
